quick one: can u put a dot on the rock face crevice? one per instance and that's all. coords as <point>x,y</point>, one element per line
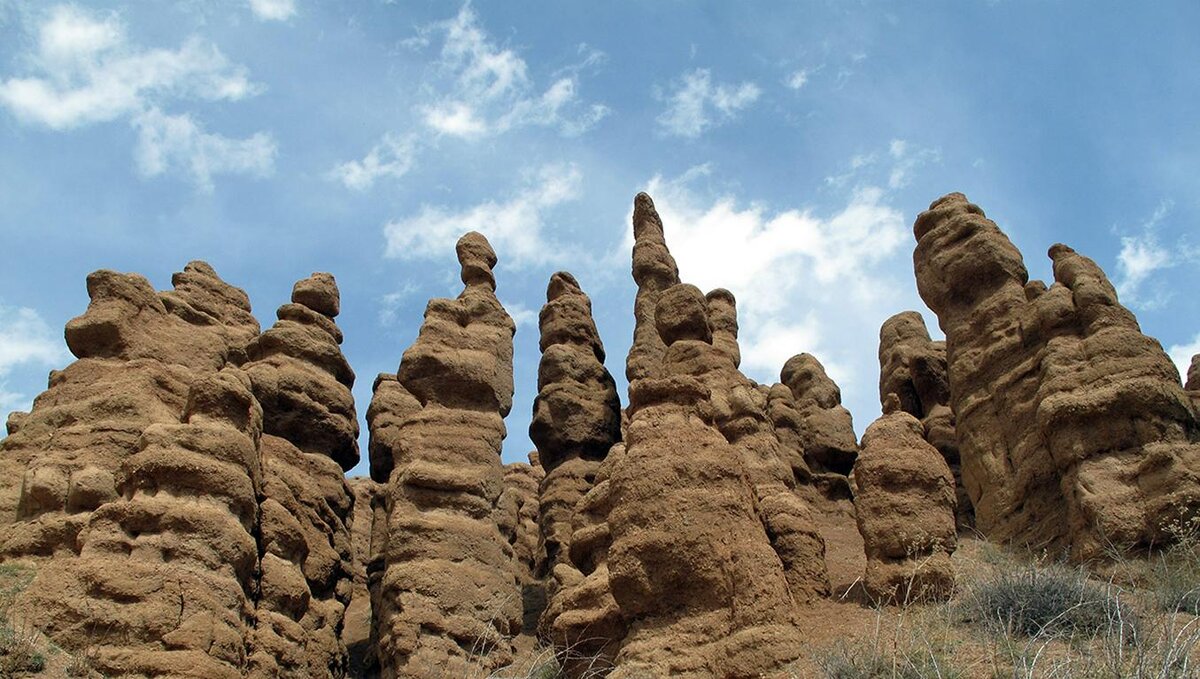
<point>1073,430</point>
<point>445,596</point>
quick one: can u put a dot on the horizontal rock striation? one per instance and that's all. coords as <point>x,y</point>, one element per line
<point>447,600</point>
<point>913,367</point>
<point>1073,429</point>
<point>905,511</point>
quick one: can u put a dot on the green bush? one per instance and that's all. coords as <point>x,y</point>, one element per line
<point>861,662</point>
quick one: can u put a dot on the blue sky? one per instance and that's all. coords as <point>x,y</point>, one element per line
<point>789,147</point>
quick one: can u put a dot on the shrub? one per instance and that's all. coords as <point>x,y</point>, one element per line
<point>1048,601</point>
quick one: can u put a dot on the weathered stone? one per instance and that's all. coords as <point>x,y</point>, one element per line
<point>447,600</point>
<point>913,367</point>
<point>1074,431</point>
<point>905,510</point>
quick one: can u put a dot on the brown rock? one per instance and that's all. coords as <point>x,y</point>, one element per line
<point>913,368</point>
<point>447,600</point>
<point>1074,431</point>
<point>905,510</point>
<point>138,353</point>
<point>369,498</point>
<point>164,581</point>
<point>576,415</point>
<point>826,430</point>
<point>301,377</point>
<point>654,270</point>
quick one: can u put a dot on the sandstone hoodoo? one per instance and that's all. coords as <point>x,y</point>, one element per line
<point>178,493</point>
<point>447,601</point>
<point>1073,429</point>
<point>905,510</point>
<point>913,367</point>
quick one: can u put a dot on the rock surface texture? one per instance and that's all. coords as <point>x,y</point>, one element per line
<point>302,381</point>
<point>690,552</point>
<point>913,367</point>
<point>447,599</point>
<point>905,510</point>
<point>1073,429</point>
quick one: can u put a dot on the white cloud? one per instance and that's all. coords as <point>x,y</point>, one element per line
<point>24,339</point>
<point>1142,256</point>
<point>514,226</point>
<point>906,158</point>
<point>392,157</point>
<point>273,10</point>
<point>90,74</point>
<point>818,279</point>
<point>521,314</point>
<point>1181,355</point>
<point>696,104</point>
<point>166,142</point>
<point>488,89</point>
<point>797,79</point>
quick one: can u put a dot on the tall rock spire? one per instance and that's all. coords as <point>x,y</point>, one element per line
<point>300,377</point>
<point>577,413</point>
<point>1074,430</point>
<point>913,367</point>
<point>437,429</point>
<point>654,270</point>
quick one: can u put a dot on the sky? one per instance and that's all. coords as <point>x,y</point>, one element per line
<point>789,146</point>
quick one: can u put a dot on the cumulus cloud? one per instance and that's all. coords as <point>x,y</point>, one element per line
<point>168,142</point>
<point>695,104</point>
<point>273,10</point>
<point>486,89</point>
<point>88,72</point>
<point>818,279</point>
<point>1142,256</point>
<point>25,339</point>
<point>513,226</point>
<point>392,157</point>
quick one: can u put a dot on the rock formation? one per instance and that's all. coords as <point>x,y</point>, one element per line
<point>1193,375</point>
<point>913,367</point>
<point>577,413</point>
<point>138,352</point>
<point>447,600</point>
<point>165,578</point>
<point>654,270</point>
<point>905,510</point>
<point>1073,429</point>
<point>697,504</point>
<point>517,513</point>
<point>300,377</point>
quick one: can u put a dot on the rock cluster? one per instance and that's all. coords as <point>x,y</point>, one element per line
<point>692,549</point>
<point>180,487</point>
<point>184,540</point>
<point>446,601</point>
<point>1073,429</point>
<point>913,367</point>
<point>905,510</point>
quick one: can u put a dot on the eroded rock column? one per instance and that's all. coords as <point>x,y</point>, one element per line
<point>1074,431</point>
<point>302,380</point>
<point>913,367</point>
<point>905,510</point>
<point>447,598</point>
